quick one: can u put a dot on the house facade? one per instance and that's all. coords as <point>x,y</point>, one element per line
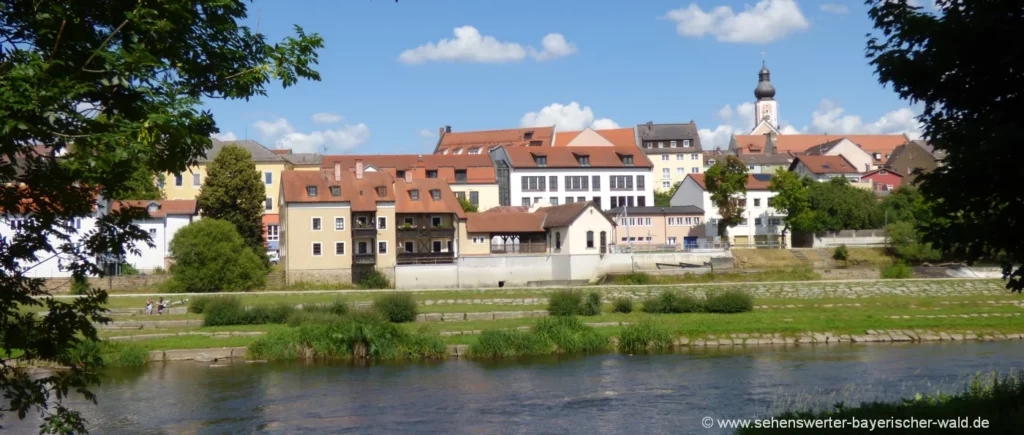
<point>166,217</point>
<point>579,228</point>
<point>825,168</point>
<point>914,158</point>
<point>762,225</point>
<point>883,180</point>
<point>673,149</point>
<point>49,264</point>
<point>664,227</point>
<point>853,154</point>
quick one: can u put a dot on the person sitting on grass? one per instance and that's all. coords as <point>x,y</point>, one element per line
<point>160,306</point>
<point>149,306</point>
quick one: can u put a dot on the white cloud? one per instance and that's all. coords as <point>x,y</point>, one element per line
<point>566,117</point>
<point>738,120</point>
<point>282,134</point>
<point>834,8</point>
<point>830,118</point>
<point>426,133</point>
<point>225,136</point>
<point>469,46</point>
<point>327,118</point>
<point>767,21</point>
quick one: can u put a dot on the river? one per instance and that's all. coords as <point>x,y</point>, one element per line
<point>607,394</point>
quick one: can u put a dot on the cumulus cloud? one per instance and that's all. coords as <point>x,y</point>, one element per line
<point>327,118</point>
<point>225,136</point>
<point>571,116</point>
<point>282,134</point>
<point>767,21</point>
<point>426,133</point>
<point>469,46</point>
<point>832,119</point>
<point>834,8</point>
<point>735,120</point>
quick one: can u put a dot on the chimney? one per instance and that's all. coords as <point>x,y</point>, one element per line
<point>408,175</point>
<point>420,158</point>
<point>650,125</point>
<point>359,169</point>
<point>447,129</point>
<point>440,132</point>
<point>337,171</point>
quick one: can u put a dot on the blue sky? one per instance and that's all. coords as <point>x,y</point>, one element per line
<point>389,80</point>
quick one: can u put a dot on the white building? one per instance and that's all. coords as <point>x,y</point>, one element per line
<point>49,264</point>
<point>602,166</point>
<point>762,226</point>
<point>854,154</point>
<point>166,217</point>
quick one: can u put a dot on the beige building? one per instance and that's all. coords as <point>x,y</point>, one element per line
<point>569,229</point>
<point>678,228</point>
<point>337,225</point>
<point>673,149</point>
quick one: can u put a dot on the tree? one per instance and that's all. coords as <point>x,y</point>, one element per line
<point>122,81</point>
<point>663,198</point>
<point>905,243</point>
<point>210,256</point>
<point>467,206</point>
<point>233,191</point>
<point>727,183</point>
<point>141,185</point>
<point>790,198</point>
<point>836,206</point>
<point>971,110</point>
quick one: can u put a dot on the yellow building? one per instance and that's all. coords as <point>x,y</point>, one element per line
<point>673,149</point>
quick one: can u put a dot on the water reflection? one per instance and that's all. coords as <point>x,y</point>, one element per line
<point>664,393</point>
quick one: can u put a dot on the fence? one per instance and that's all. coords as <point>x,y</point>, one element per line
<point>519,248</point>
<point>701,244</point>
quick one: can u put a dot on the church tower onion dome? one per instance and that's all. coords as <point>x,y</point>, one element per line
<point>764,89</point>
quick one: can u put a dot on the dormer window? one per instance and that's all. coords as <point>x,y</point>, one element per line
<point>435,194</point>
<point>881,172</point>
<point>583,160</point>
<point>445,151</point>
<point>661,144</point>
<point>541,161</point>
<point>153,207</point>
<point>825,166</point>
<point>335,190</point>
<point>672,144</point>
<point>400,174</point>
<point>458,151</point>
<point>414,194</point>
<point>381,191</point>
<point>649,145</point>
<point>432,174</point>
<point>311,190</point>
<point>686,143</point>
<point>528,135</point>
<point>627,160</point>
<point>535,143</point>
<point>474,150</point>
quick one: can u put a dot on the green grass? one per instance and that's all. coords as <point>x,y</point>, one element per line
<point>794,274</point>
<point>643,336</point>
<point>999,400</point>
<point>563,334</point>
<point>359,335</point>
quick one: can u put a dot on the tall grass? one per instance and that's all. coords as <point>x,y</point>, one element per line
<point>396,307</point>
<point>997,399</point>
<point>565,302</point>
<point>622,305</point>
<point>674,302</point>
<point>374,279</point>
<point>108,354</point>
<point>729,301</point>
<point>223,311</point>
<point>644,335</point>
<point>509,343</point>
<point>897,271</point>
<point>670,301</point>
<point>564,334</point>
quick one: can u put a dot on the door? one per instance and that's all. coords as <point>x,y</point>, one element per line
<point>690,242</point>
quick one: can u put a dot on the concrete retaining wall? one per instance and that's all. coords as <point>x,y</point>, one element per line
<point>112,284</point>
<point>830,239</point>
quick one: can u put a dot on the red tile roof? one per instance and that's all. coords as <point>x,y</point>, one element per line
<point>523,222</point>
<point>882,144</point>
<point>622,137</point>
<point>752,182</point>
<point>566,157</point>
<point>479,167</point>
<point>165,206</point>
<point>426,203</point>
<point>363,194</point>
<point>484,139</point>
<point>825,164</point>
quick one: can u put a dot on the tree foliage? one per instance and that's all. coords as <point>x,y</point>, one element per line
<point>467,206</point>
<point>835,205</point>
<point>727,183</point>
<point>210,256</point>
<point>971,110</point>
<point>234,191</point>
<point>791,198</point>
<point>141,185</point>
<point>122,81</point>
<point>663,198</point>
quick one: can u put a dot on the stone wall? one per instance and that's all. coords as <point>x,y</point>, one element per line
<point>829,239</point>
<point>113,284</point>
<point>319,276</point>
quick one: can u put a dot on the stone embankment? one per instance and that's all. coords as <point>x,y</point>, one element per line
<point>223,334</point>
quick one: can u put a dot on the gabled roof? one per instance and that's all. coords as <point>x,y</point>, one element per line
<point>508,209</point>
<point>678,209</point>
<point>825,164</point>
<point>800,143</point>
<point>479,167</point>
<point>566,157</point>
<point>361,194</point>
<point>822,149</point>
<point>259,152</point>
<point>302,159</point>
<point>509,221</point>
<point>764,159</point>
<point>426,203</point>
<point>528,136</point>
<point>619,137</point>
<point>754,181</point>
<point>164,207</point>
<point>669,132</point>
<point>886,170</point>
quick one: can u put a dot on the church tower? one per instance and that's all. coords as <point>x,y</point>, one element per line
<point>766,109</point>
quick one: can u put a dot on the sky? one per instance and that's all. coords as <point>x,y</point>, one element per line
<point>394,73</point>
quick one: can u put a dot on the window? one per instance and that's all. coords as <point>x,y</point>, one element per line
<point>553,183</point>
<point>672,144</point>
<point>627,160</point>
<point>460,195</point>
<point>757,202</point>
<point>597,202</point>
<point>528,135</point>
<point>639,182</point>
<point>751,167</point>
<point>316,224</point>
<point>696,221</point>
<point>382,247</point>
<point>178,180</point>
<point>553,200</point>
<point>558,240</point>
<point>435,221</point>
<point>596,183</point>
<point>757,222</point>
<point>664,157</point>
<point>316,249</point>
<point>273,233</point>
<point>770,202</point>
<point>649,144</point>
<point>694,156</point>
<point>382,223</point>
<point>641,201</point>
<point>268,178</point>
<point>661,144</point>
<point>436,246</point>
<point>435,194</point>
<point>666,173</point>
<point>474,150</point>
<point>621,182</point>
<point>671,240</point>
<point>414,194</point>
<point>196,180</point>
<point>666,185</point>
<point>774,221</point>
<point>576,183</point>
<point>460,175</point>
<point>536,200</point>
<point>160,183</point>
<point>534,184</point>
<point>569,200</point>
<point>311,190</point>
<point>681,171</point>
<point>680,156</point>
<point>335,190</point>
<point>432,174</point>
<point>268,203</point>
<point>339,248</point>
<point>363,248</point>
<point>581,199</point>
<point>361,222</point>
<point>689,221</point>
<point>590,240</point>
<point>695,170</point>
<point>583,160</point>
<point>400,174</point>
<point>526,202</point>
<point>474,197</point>
<point>541,161</point>
<point>409,221</point>
<point>152,233</point>
<point>410,248</point>
<point>629,201</point>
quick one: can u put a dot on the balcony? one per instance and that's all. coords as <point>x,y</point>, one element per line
<point>364,230</point>
<point>426,258</point>
<point>369,258</point>
<point>519,248</point>
<point>414,231</point>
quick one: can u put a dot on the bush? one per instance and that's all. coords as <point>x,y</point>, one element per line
<point>729,301</point>
<point>197,305</point>
<point>565,303</point>
<point>635,278</point>
<point>643,336</point>
<point>622,305</point>
<point>505,343</point>
<point>123,355</point>
<point>303,317</point>
<point>591,305</point>
<point>128,270</point>
<point>357,335</point>
<point>897,271</point>
<point>905,243</point>
<point>210,256</point>
<point>224,311</point>
<point>672,302</point>
<point>570,335</point>
<point>396,307</point>
<point>374,280</point>
<point>159,271</point>
<point>79,285</point>
<point>841,253</point>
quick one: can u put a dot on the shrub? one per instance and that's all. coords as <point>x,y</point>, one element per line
<point>159,271</point>
<point>841,253</point>
<point>905,243</point>
<point>123,355</point>
<point>635,278</point>
<point>303,317</point>
<point>622,305</point>
<point>591,305</point>
<point>210,256</point>
<point>643,336</point>
<point>359,335</point>
<point>505,343</point>
<point>197,305</point>
<point>897,271</point>
<point>374,280</point>
<point>729,301</point>
<point>569,334</point>
<point>396,307</point>
<point>79,285</point>
<point>652,304</point>
<point>565,303</point>
<point>672,302</point>
<point>223,311</point>
<point>128,270</point>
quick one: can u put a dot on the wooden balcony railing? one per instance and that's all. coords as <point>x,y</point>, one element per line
<point>520,248</point>
<point>426,258</point>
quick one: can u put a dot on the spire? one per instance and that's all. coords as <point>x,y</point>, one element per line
<point>764,89</point>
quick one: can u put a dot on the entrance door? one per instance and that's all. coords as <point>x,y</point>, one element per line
<point>690,242</point>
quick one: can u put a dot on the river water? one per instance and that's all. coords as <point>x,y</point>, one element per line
<point>613,394</point>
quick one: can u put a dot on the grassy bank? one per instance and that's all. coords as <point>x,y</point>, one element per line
<point>998,400</point>
<point>776,275</point>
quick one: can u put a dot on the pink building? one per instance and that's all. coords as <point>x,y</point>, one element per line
<point>679,226</point>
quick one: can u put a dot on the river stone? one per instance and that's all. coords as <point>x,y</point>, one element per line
<point>957,336</point>
<point>901,337</point>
